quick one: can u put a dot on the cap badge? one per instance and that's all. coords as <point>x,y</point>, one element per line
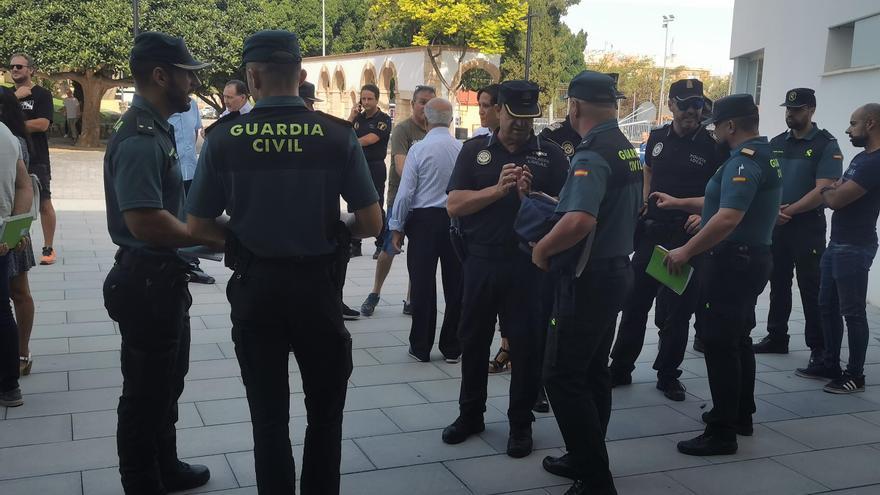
<point>792,95</point>
<point>484,157</point>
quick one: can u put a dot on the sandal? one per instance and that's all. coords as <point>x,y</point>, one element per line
<point>25,364</point>
<point>501,362</point>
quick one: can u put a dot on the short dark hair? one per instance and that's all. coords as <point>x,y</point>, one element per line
<point>372,88</point>
<point>285,75</point>
<point>749,123</point>
<point>423,89</point>
<point>492,90</point>
<point>240,87</point>
<point>142,71</point>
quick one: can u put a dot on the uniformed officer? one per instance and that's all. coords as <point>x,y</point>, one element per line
<point>601,198</point>
<point>680,158</point>
<point>563,134</point>
<point>146,290</point>
<point>307,93</point>
<point>279,172</point>
<point>810,159</point>
<point>484,189</point>
<point>373,129</point>
<point>739,210</point>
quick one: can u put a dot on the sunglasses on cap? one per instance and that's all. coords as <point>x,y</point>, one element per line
<point>697,103</point>
<point>18,66</point>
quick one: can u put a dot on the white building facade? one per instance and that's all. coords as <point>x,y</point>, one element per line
<point>830,46</point>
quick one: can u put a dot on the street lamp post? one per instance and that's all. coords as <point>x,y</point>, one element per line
<point>666,20</point>
<point>528,61</point>
<point>136,14</point>
<point>323,30</point>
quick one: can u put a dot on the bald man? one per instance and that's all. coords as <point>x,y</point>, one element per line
<point>420,211</point>
<point>855,199</point>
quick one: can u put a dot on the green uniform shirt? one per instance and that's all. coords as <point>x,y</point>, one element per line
<point>803,161</point>
<point>403,136</point>
<point>279,171</point>
<point>748,182</point>
<point>141,171</point>
<point>605,180</point>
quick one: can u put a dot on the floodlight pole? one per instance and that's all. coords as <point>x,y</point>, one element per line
<point>666,20</point>
<point>528,61</point>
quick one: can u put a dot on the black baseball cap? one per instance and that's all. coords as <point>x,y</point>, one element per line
<point>307,91</point>
<point>685,89</point>
<point>732,107</point>
<point>799,97</point>
<point>152,46</point>
<point>520,98</point>
<point>594,86</point>
<point>274,46</point>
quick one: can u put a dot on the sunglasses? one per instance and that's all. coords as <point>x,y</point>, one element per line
<point>18,66</point>
<point>697,103</point>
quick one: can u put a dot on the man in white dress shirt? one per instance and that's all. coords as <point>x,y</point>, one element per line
<point>420,211</point>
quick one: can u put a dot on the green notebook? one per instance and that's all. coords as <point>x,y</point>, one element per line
<point>14,228</point>
<point>656,268</point>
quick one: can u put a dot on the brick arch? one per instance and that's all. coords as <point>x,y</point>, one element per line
<point>368,74</point>
<point>477,63</point>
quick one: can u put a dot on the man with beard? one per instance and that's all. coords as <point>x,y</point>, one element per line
<point>146,290</point>
<point>36,104</point>
<point>680,158</point>
<point>484,190</point>
<point>739,209</point>
<point>810,159</point>
<point>855,199</point>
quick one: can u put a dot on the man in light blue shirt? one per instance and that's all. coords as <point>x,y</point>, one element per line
<point>420,211</point>
<point>186,132</point>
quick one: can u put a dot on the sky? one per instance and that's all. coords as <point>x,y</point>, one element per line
<point>698,38</point>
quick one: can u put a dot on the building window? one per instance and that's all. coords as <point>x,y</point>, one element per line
<point>748,72</point>
<point>853,44</point>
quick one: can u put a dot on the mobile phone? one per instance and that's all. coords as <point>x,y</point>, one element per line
<point>360,107</point>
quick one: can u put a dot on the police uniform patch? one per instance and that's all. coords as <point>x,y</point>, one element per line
<point>382,126</point>
<point>809,153</point>
<point>658,148</point>
<point>484,157</point>
<point>747,152</point>
<point>581,173</point>
<point>568,148</point>
<point>739,178</point>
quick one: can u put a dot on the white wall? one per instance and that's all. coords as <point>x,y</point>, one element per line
<point>794,37</point>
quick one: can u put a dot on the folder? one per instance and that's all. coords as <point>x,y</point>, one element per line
<point>14,228</point>
<point>656,268</point>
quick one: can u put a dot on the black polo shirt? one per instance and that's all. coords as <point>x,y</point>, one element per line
<point>380,125</point>
<point>479,166</point>
<point>563,134</point>
<point>680,166</point>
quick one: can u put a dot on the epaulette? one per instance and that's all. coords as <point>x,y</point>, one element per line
<point>661,126</point>
<point>747,152</point>
<point>146,125</point>
<point>827,134</point>
<point>554,126</point>
<point>479,136</point>
<point>226,118</point>
<point>335,119</point>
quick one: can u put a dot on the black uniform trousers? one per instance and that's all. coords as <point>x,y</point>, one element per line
<point>506,284</point>
<point>576,374</point>
<point>428,232</point>
<point>8,333</point>
<point>673,312</point>
<point>148,296</point>
<point>734,276</point>
<point>797,245</point>
<point>379,173</point>
<point>279,305</point>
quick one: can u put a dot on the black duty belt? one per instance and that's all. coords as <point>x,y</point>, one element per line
<point>137,258</point>
<point>730,247</point>
<point>606,264</point>
<point>491,250</point>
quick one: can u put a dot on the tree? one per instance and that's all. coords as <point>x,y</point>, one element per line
<point>557,53</point>
<point>88,44</point>
<point>462,23</point>
<point>639,76</point>
<point>717,86</point>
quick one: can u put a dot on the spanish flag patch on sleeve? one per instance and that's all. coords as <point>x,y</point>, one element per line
<point>581,173</point>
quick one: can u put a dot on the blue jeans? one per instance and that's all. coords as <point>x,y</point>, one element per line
<point>842,295</point>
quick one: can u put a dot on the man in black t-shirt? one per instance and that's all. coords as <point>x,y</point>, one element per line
<point>36,104</point>
<point>843,286</point>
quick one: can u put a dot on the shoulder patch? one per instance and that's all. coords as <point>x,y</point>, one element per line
<point>554,126</point>
<point>226,118</point>
<point>146,125</point>
<point>658,148</point>
<point>382,125</point>
<point>747,152</point>
<point>334,119</point>
<point>474,138</point>
<point>484,157</point>
<point>568,148</point>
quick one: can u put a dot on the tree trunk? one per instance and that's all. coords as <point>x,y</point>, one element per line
<point>93,91</point>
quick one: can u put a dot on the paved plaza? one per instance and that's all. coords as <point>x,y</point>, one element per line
<point>62,440</point>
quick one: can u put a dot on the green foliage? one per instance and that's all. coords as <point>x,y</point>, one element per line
<point>469,23</point>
